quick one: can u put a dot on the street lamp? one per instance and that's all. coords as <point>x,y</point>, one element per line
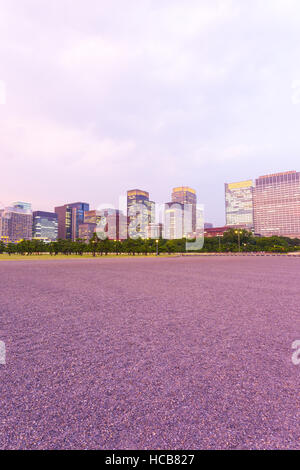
<point>156,241</point>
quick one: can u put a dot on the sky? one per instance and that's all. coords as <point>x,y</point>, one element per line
<point>98,97</point>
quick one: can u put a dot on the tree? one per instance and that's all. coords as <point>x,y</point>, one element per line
<point>11,248</point>
<point>107,247</point>
<point>79,246</point>
<point>170,247</point>
<point>93,244</point>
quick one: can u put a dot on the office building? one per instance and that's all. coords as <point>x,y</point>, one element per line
<point>92,216</point>
<point>210,232</point>
<point>16,223</point>
<point>26,206</point>
<point>182,217</point>
<point>86,231</point>
<point>239,203</point>
<point>219,231</point>
<point>173,226</point>
<point>186,195</point>
<point>64,217</point>
<point>276,201</point>
<point>155,231</point>
<point>45,226</point>
<point>70,216</point>
<point>111,223</point>
<point>140,213</point>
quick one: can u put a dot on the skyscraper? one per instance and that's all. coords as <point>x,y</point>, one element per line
<point>92,216</point>
<point>16,223</point>
<point>112,222</point>
<point>78,210</point>
<point>277,204</point>
<point>64,217</point>
<point>155,230</point>
<point>140,213</point>
<point>186,195</point>
<point>26,206</point>
<point>86,231</point>
<point>45,226</point>
<point>239,203</point>
<point>70,216</point>
<point>173,226</point>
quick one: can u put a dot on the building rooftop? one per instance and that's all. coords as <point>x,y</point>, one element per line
<point>279,174</point>
<point>184,188</point>
<point>137,192</point>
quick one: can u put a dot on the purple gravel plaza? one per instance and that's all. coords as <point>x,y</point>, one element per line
<point>178,353</point>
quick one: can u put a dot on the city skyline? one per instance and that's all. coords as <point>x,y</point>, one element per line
<point>268,206</point>
<point>49,207</point>
<point>198,92</point>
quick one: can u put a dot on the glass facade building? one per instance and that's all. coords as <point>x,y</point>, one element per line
<point>78,209</point>
<point>16,223</point>
<point>45,226</point>
<point>109,222</point>
<point>173,227</point>
<point>140,213</point>
<point>239,204</point>
<point>179,221</point>
<point>92,216</point>
<point>186,195</point>
<point>155,231</point>
<point>86,231</point>
<point>277,205</point>
<point>26,206</point>
<point>70,216</point>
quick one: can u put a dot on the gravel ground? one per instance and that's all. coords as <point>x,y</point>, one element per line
<point>180,353</point>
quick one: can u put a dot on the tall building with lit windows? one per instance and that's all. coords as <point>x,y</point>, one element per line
<point>186,195</point>
<point>26,206</point>
<point>16,223</point>
<point>140,213</point>
<point>70,216</point>
<point>277,204</point>
<point>239,204</point>
<point>173,226</point>
<point>111,222</point>
<point>45,226</point>
<point>86,231</point>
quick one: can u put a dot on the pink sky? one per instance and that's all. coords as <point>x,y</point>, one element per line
<point>102,97</point>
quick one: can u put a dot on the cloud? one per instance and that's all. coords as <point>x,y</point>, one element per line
<point>47,156</point>
<point>2,92</point>
<point>102,96</point>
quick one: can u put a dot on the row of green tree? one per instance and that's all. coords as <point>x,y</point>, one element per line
<point>95,247</point>
<point>232,241</point>
<point>245,241</point>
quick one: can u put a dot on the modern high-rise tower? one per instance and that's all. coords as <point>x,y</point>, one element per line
<point>16,223</point>
<point>44,226</point>
<point>277,204</point>
<point>140,213</point>
<point>111,222</point>
<point>173,226</point>
<point>186,195</point>
<point>239,204</point>
<point>70,216</point>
